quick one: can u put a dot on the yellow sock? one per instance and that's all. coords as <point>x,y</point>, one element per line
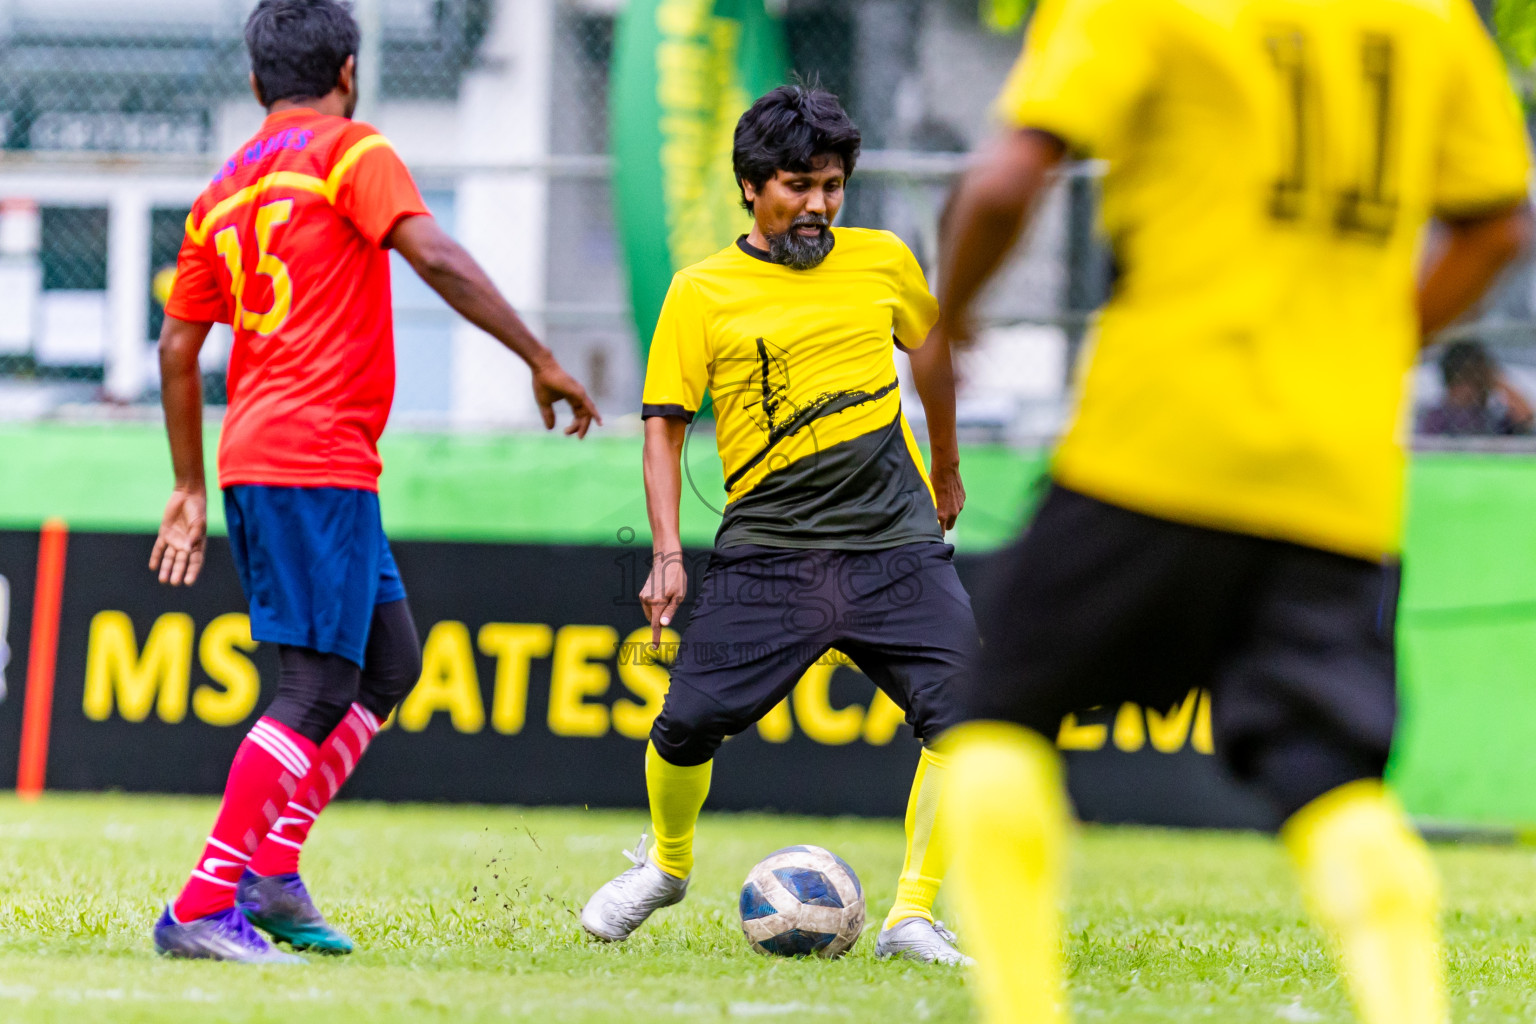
<point>1368,878</point>
<point>1005,819</point>
<point>677,795</point>
<point>923,869</point>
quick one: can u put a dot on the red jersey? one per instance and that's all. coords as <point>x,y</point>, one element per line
<point>286,245</point>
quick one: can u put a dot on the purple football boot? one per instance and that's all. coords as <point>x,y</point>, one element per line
<point>280,906</point>
<point>226,935</point>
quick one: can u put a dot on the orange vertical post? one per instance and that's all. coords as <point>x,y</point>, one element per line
<point>43,653</point>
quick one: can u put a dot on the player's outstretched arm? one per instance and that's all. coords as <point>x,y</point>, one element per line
<point>667,584</point>
<point>984,215</point>
<point>933,371</point>
<point>178,553</point>
<point>1468,257</point>
<point>453,273</point>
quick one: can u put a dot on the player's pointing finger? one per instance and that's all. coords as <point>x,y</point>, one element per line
<point>673,600</point>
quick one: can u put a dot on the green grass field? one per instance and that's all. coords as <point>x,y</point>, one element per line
<point>468,914</point>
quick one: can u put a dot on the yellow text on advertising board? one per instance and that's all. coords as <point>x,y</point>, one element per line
<point>584,662</point>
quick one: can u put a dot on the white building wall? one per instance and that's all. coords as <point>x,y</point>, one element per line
<point>503,118</point>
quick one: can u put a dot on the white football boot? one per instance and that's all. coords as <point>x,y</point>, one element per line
<point>621,906</point>
<point>917,938</point>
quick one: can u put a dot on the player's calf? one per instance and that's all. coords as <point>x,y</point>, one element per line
<point>272,894</point>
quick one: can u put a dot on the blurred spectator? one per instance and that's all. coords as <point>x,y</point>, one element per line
<point>1478,398</point>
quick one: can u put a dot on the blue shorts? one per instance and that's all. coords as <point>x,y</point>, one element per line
<point>313,562</point>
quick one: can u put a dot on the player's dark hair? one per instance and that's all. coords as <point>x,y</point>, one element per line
<point>787,130</point>
<point>298,47</point>
<point>1464,361</point>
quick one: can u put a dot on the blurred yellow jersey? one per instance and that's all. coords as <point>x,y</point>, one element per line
<point>1271,165</point>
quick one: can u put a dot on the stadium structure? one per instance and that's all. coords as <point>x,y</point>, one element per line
<point>112,116</point>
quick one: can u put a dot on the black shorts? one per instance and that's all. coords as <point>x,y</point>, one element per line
<point>1096,605</point>
<point>762,616</point>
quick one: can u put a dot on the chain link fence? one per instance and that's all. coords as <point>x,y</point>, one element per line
<point>917,77</point>
<point>112,115</point>
<point>149,76</point>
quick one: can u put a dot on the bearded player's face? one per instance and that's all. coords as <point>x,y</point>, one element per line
<point>796,208</point>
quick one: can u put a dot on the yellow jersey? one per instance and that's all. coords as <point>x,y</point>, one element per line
<point>1271,165</point>
<point>800,367</point>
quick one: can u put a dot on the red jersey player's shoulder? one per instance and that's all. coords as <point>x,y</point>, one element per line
<point>352,137</point>
<point>354,131</point>
<point>351,143</point>
<point>368,183</point>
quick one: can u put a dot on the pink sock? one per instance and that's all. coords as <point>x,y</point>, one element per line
<point>264,776</point>
<point>339,754</point>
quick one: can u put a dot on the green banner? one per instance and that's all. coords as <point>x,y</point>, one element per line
<point>683,72</point>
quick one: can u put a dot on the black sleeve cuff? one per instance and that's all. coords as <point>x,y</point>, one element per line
<point>676,412</point>
<point>1480,211</point>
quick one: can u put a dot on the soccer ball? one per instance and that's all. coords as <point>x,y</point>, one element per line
<point>802,900</point>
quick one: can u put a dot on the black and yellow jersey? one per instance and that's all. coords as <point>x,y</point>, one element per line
<point>1271,165</point>
<point>801,370</point>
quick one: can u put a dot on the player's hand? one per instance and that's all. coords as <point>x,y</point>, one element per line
<point>665,588</point>
<point>178,554</point>
<point>948,491</point>
<point>552,384</point>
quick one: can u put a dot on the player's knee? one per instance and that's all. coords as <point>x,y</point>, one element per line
<point>384,686</point>
<point>392,664</point>
<point>684,739</point>
<point>935,709</point>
